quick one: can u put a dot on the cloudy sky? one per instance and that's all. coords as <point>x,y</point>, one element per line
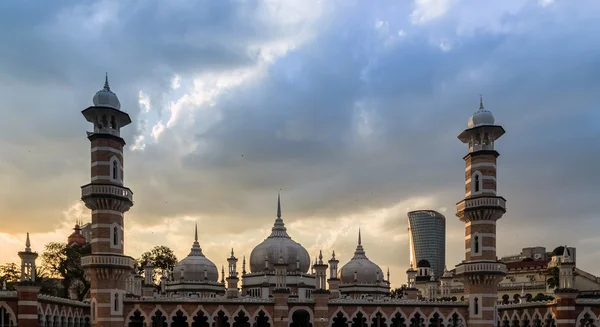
<point>350,108</point>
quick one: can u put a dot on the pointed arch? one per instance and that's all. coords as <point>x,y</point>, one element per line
<point>11,313</point>
<point>455,319</point>
<point>398,318</point>
<point>505,316</point>
<point>417,310</point>
<point>515,317</point>
<point>158,307</point>
<point>200,308</point>
<point>174,313</point>
<point>339,312</point>
<point>267,314</point>
<point>133,310</point>
<point>243,309</point>
<point>525,317</point>
<point>378,310</point>
<point>225,313</point>
<point>585,315</point>
<point>358,310</point>
<point>434,311</point>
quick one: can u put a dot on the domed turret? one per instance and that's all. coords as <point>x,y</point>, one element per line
<point>266,254</point>
<point>76,237</point>
<point>360,269</point>
<point>106,97</point>
<point>481,117</point>
<point>423,264</point>
<point>196,266</point>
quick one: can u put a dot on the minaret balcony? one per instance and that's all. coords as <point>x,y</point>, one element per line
<point>481,267</point>
<point>484,202</point>
<point>107,261</point>
<point>106,190</point>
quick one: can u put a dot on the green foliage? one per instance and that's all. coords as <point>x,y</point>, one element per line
<point>9,273</point>
<point>542,297</point>
<point>398,293</point>
<point>553,277</point>
<point>62,261</point>
<point>161,257</point>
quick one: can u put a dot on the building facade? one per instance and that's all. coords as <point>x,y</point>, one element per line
<point>427,239</point>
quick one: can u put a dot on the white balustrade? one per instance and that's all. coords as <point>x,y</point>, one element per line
<point>103,189</point>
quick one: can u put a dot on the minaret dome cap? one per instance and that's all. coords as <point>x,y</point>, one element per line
<point>106,98</point>
<point>481,117</point>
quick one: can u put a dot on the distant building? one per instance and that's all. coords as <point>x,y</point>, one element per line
<point>427,239</point>
<point>537,253</point>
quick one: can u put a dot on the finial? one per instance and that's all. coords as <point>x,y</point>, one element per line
<point>27,243</point>
<point>231,252</point>
<point>196,233</point>
<point>278,205</point>
<point>481,102</point>
<point>359,238</point>
<point>106,82</point>
<point>333,255</point>
<point>320,255</point>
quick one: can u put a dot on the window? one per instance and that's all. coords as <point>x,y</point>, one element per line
<point>476,306</point>
<point>476,244</point>
<point>116,301</point>
<point>115,236</point>
<point>113,122</point>
<point>476,182</point>
<point>115,170</point>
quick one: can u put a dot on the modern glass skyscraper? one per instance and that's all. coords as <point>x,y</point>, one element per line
<point>427,239</point>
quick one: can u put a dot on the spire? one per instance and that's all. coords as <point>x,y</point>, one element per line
<point>106,86</point>
<point>27,244</point>
<point>279,229</point>
<point>196,249</point>
<point>278,205</point>
<point>359,253</point>
<point>481,102</point>
<point>359,238</point>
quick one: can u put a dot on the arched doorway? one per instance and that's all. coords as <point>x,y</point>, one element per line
<point>137,320</point>
<point>339,320</point>
<point>301,318</point>
<point>261,320</point>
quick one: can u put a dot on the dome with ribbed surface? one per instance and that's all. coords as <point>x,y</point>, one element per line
<point>279,243</point>
<point>106,97</point>
<point>360,269</point>
<point>196,267</point>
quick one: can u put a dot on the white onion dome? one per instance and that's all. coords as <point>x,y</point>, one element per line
<point>360,269</point>
<point>106,97</point>
<point>481,117</point>
<point>196,267</point>
<point>279,243</point>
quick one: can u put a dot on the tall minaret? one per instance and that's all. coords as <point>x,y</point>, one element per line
<point>481,208</point>
<point>108,199</point>
<point>28,262</point>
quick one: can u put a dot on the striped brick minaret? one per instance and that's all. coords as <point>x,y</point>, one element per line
<point>108,199</point>
<point>481,208</point>
<point>27,290</point>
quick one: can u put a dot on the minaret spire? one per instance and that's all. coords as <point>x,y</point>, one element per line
<point>359,238</point>
<point>106,82</point>
<point>196,249</point>
<point>196,233</point>
<point>28,244</point>
<point>481,102</point>
<point>278,205</point>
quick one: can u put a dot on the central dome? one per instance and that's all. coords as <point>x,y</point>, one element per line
<point>196,267</point>
<point>279,243</point>
<point>360,269</point>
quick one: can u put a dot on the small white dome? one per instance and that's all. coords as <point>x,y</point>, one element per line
<point>365,270</point>
<point>481,117</point>
<point>106,97</point>
<point>195,265</point>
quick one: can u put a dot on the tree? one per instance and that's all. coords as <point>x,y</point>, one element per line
<point>398,293</point>
<point>62,261</point>
<point>9,273</point>
<point>553,277</point>
<point>161,257</point>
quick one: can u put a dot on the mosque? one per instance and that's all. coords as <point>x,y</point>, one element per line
<point>281,285</point>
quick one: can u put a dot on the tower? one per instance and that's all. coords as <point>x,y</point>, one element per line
<point>28,262</point>
<point>480,210</point>
<point>334,281</point>
<point>427,238</point>
<point>232,279</point>
<point>108,199</point>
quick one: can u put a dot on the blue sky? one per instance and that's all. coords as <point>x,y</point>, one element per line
<point>350,108</point>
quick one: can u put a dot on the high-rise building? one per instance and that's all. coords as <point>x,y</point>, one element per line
<point>427,239</point>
